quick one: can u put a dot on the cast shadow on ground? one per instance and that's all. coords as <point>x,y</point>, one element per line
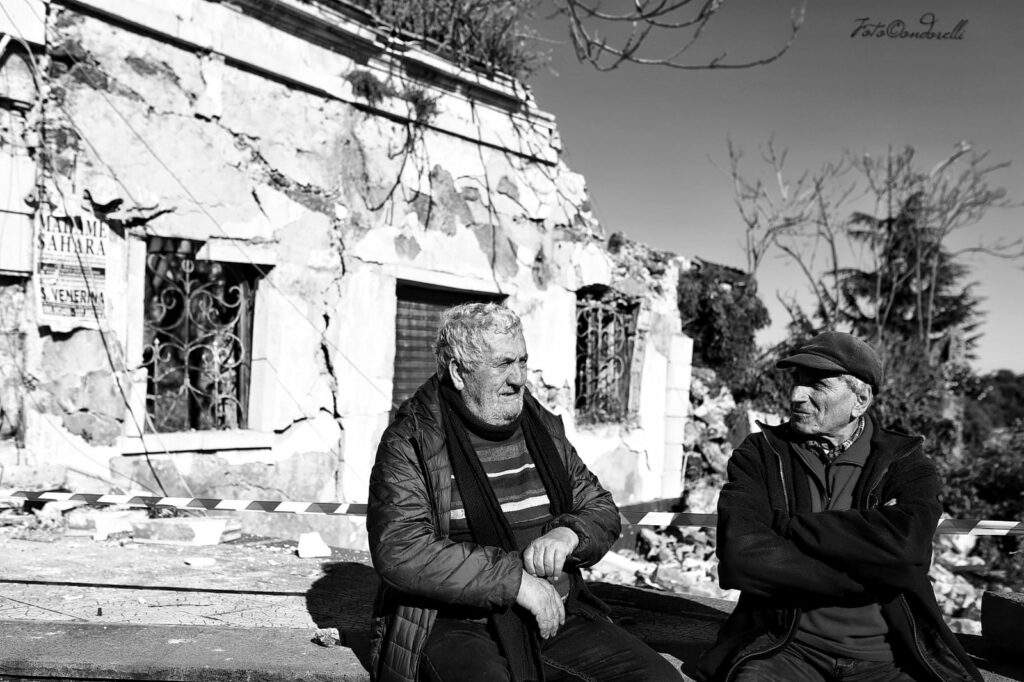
<point>342,598</point>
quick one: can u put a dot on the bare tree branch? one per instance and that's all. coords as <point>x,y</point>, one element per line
<point>905,279</point>
<point>686,21</point>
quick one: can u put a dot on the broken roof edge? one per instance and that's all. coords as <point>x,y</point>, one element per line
<point>189,26</point>
<point>335,18</point>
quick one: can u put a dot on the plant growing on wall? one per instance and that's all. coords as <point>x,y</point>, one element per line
<point>495,36</point>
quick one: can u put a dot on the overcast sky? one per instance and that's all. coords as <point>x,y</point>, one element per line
<point>651,141</point>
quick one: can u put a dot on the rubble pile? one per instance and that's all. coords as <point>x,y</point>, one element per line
<point>706,440</point>
<point>680,560</point>
<point>958,597</point>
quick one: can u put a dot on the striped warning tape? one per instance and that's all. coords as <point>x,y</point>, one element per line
<point>276,506</point>
<point>945,527</point>
<point>636,518</point>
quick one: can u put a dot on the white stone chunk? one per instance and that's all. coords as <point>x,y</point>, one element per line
<point>312,545</point>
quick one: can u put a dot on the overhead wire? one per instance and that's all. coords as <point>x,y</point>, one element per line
<point>37,75</point>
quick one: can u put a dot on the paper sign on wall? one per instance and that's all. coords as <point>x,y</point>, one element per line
<point>71,270</point>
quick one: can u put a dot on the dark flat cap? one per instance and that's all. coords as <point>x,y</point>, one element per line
<point>838,352</point>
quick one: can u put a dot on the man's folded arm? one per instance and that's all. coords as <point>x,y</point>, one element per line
<point>875,545</point>
<point>410,557</point>
<point>754,558</point>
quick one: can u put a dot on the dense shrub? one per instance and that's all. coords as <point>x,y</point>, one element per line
<point>721,312</point>
<point>487,35</point>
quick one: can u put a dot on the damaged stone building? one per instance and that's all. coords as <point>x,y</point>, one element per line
<point>227,233</point>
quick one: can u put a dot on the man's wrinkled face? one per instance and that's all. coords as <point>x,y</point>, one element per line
<point>821,403</point>
<point>493,392</point>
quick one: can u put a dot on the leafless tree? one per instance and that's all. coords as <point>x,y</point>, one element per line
<point>798,216</point>
<point>836,226</point>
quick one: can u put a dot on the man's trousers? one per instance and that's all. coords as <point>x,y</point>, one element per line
<point>585,648</point>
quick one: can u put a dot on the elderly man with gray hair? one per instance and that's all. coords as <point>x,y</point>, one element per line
<point>825,525</point>
<point>480,515</point>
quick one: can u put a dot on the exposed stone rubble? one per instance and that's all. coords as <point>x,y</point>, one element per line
<point>706,440</point>
<point>958,597</point>
<point>678,560</point>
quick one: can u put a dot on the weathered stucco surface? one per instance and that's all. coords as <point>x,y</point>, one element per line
<point>262,148</point>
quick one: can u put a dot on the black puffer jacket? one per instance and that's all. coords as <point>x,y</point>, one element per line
<point>783,557</point>
<point>408,520</point>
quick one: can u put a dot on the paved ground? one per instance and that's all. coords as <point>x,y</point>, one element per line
<point>247,610</point>
<point>250,584</point>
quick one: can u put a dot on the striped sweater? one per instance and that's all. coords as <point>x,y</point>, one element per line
<point>516,484</point>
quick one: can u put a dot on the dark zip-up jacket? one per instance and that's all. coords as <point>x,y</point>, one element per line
<point>784,557</point>
<point>408,519</point>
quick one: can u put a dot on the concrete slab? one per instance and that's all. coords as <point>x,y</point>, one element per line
<point>61,650</point>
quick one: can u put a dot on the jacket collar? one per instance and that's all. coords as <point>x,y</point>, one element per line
<point>886,445</point>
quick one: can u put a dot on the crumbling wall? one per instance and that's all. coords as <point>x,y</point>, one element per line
<point>640,459</point>
<point>336,187</point>
<point>12,361</point>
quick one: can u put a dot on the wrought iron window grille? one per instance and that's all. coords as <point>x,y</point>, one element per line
<point>197,338</point>
<point>605,329</point>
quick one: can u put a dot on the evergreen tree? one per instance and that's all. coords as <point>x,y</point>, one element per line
<point>916,291</point>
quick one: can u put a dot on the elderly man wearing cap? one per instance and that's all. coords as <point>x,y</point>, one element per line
<point>825,525</point>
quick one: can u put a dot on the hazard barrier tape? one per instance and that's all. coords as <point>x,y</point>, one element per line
<point>637,518</point>
<point>209,504</point>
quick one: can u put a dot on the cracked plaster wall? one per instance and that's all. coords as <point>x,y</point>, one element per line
<point>337,204</point>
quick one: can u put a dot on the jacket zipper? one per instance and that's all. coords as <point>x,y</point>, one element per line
<point>917,641</point>
<point>902,598</point>
<point>782,475</point>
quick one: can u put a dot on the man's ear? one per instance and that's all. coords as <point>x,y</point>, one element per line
<point>456,375</point>
<point>863,402</point>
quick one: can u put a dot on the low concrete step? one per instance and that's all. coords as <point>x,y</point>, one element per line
<point>90,651</point>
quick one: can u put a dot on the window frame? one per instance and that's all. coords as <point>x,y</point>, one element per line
<point>620,314</point>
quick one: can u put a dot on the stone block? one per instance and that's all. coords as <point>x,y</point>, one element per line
<point>53,512</point>
<point>312,545</point>
<point>190,531</point>
<point>102,523</point>
<point>100,394</point>
<point>93,428</point>
<point>32,476</point>
<point>1002,620</point>
<point>676,577</point>
<point>79,353</point>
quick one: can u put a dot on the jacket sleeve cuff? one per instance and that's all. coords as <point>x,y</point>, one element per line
<point>587,548</point>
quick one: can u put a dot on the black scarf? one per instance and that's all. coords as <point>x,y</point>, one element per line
<point>516,628</point>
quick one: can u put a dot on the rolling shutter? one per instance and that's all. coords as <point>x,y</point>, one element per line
<point>416,320</point>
